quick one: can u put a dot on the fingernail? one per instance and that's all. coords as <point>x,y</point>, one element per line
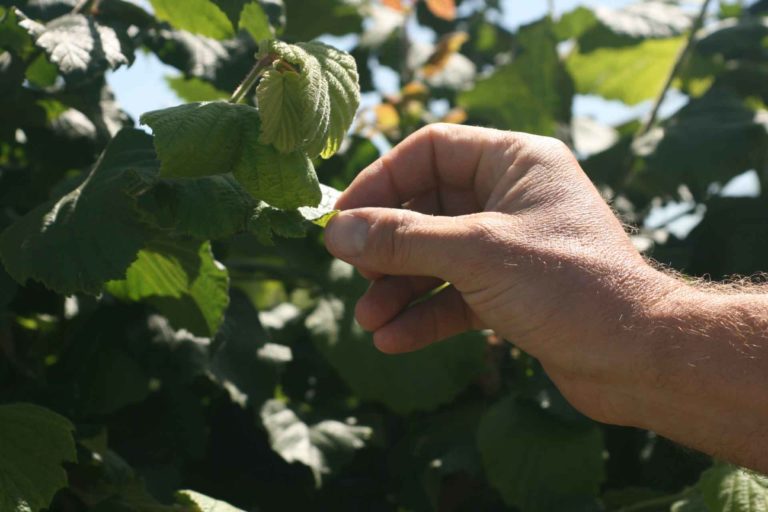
<point>346,235</point>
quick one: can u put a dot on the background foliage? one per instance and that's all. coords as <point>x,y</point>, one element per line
<point>160,334</point>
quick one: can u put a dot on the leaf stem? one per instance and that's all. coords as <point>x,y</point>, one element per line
<point>657,502</point>
<point>679,61</point>
<point>79,6</point>
<point>253,76</point>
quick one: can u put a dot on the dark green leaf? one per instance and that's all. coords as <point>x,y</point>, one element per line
<point>205,208</point>
<point>537,462</point>
<point>70,245</point>
<point>405,383</point>
<point>243,358</point>
<point>712,139</point>
<point>308,20</point>
<point>35,443</point>
<point>533,93</point>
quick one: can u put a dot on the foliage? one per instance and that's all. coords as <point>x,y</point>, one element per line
<point>170,319</point>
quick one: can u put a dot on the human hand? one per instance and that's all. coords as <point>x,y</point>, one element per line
<point>529,246</point>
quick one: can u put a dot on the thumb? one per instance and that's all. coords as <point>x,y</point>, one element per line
<point>402,242</point>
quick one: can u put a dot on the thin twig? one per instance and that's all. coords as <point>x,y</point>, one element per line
<point>679,61</point>
<point>253,76</point>
<point>79,6</point>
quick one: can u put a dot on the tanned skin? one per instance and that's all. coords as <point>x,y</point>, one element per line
<point>533,252</point>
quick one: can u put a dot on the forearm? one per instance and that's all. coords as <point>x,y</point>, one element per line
<point>707,376</point>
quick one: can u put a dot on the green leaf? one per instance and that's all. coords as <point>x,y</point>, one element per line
<point>178,270</point>
<point>92,234</point>
<point>198,16</point>
<point>195,89</point>
<point>202,503</point>
<point>727,488</point>
<point>323,447</point>
<point>405,383</point>
<point>574,23</point>
<point>311,106</point>
<point>201,139</point>
<point>286,181</point>
<point>35,443</point>
<point>206,208</point>
<point>77,45</point>
<point>322,214</point>
<point>255,20</point>
<point>628,73</point>
<point>712,139</point>
<point>41,72</point>
<point>244,360</point>
<point>535,461</point>
<point>308,20</point>
<point>533,93</point>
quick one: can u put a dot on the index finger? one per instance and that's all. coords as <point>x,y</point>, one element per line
<point>438,155</point>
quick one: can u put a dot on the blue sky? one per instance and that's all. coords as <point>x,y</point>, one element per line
<point>142,87</point>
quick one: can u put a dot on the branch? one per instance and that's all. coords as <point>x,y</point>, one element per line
<point>681,57</point>
<point>253,76</point>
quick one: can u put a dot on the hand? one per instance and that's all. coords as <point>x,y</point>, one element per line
<point>529,246</point>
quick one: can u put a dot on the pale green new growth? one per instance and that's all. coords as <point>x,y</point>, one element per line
<point>728,488</point>
<point>34,442</point>
<point>325,211</point>
<point>308,98</point>
<point>202,139</point>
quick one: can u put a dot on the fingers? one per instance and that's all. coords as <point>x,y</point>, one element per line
<point>403,243</point>
<point>440,158</point>
<point>388,296</point>
<point>440,317</point>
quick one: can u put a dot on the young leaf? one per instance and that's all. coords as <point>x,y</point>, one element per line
<point>322,447</point>
<point>179,270</point>
<point>325,211</point>
<point>70,244</point>
<point>286,181</point>
<point>35,442</point>
<point>537,462</point>
<point>311,103</point>
<point>201,139</point>
<point>731,489</point>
